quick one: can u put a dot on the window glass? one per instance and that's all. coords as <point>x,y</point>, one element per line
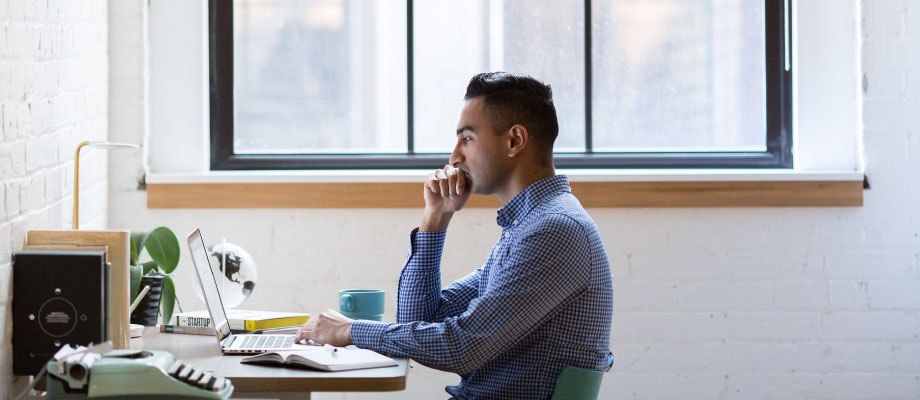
<point>329,77</point>
<point>319,76</point>
<point>455,40</point>
<point>678,75</point>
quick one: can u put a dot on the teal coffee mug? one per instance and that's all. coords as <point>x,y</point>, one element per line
<point>361,303</point>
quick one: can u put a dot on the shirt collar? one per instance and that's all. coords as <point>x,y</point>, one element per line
<point>521,204</point>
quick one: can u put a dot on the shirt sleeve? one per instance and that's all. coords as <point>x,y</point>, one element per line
<point>420,297</point>
<point>546,268</point>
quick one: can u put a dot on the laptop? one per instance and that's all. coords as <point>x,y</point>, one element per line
<point>230,343</point>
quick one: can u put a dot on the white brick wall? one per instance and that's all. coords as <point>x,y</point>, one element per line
<point>53,94</point>
<point>817,303</point>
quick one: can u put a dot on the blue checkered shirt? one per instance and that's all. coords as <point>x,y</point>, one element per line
<point>542,301</point>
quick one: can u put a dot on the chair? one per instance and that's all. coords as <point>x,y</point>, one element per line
<point>578,383</point>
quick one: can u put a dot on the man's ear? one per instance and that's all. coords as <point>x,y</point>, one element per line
<point>518,139</point>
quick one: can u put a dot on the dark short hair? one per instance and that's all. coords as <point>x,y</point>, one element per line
<point>511,99</point>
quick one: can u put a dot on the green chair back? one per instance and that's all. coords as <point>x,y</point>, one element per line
<point>578,383</point>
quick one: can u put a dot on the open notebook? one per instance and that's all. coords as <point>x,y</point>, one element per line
<point>326,358</point>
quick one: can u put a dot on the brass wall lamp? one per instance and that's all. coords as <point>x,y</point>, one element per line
<point>96,144</point>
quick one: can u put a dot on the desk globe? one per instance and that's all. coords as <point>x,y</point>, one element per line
<point>235,272</point>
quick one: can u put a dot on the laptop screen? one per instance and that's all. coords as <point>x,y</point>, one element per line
<point>208,284</point>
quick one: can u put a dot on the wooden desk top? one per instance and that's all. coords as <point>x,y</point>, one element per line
<point>204,352</point>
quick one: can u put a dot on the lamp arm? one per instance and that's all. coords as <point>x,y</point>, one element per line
<point>76,185</point>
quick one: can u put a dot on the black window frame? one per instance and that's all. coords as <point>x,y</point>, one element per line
<point>778,34</point>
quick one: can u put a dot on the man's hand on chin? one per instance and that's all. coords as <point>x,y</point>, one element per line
<point>445,192</point>
<point>330,327</point>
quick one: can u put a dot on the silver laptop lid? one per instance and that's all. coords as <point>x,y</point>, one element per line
<point>208,284</point>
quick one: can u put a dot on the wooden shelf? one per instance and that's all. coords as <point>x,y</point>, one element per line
<point>591,194</point>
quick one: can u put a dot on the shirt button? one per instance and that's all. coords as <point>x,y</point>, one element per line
<point>515,222</point>
<point>507,234</point>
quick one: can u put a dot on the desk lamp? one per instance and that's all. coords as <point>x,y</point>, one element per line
<point>76,171</point>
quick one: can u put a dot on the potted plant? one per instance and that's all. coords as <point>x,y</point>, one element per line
<point>163,249</point>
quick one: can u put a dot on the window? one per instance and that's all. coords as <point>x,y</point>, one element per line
<point>344,84</point>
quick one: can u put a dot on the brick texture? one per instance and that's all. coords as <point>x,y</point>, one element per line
<point>53,88</point>
<point>816,303</point>
<point>722,303</point>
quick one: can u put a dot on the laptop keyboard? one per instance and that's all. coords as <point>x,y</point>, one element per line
<point>268,342</point>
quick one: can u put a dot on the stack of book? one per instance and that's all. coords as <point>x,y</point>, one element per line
<point>199,322</point>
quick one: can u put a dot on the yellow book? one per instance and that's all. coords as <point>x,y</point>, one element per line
<point>252,325</point>
<point>243,320</point>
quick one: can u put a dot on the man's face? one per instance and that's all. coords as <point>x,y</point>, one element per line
<point>480,151</point>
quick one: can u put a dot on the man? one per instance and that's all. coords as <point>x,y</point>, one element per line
<point>542,301</point>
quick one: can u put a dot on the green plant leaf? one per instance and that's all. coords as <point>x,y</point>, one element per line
<point>167,299</point>
<point>149,266</point>
<point>136,272</point>
<point>163,247</point>
<point>138,239</point>
<point>133,252</point>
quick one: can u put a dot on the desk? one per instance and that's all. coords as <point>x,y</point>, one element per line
<point>250,380</point>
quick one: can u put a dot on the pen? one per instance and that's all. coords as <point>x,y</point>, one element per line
<point>332,350</point>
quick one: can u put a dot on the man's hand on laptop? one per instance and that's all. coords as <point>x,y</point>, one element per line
<point>330,327</point>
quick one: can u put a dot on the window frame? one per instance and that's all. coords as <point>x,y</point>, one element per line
<point>779,121</point>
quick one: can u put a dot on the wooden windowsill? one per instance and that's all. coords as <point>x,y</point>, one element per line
<point>799,192</point>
